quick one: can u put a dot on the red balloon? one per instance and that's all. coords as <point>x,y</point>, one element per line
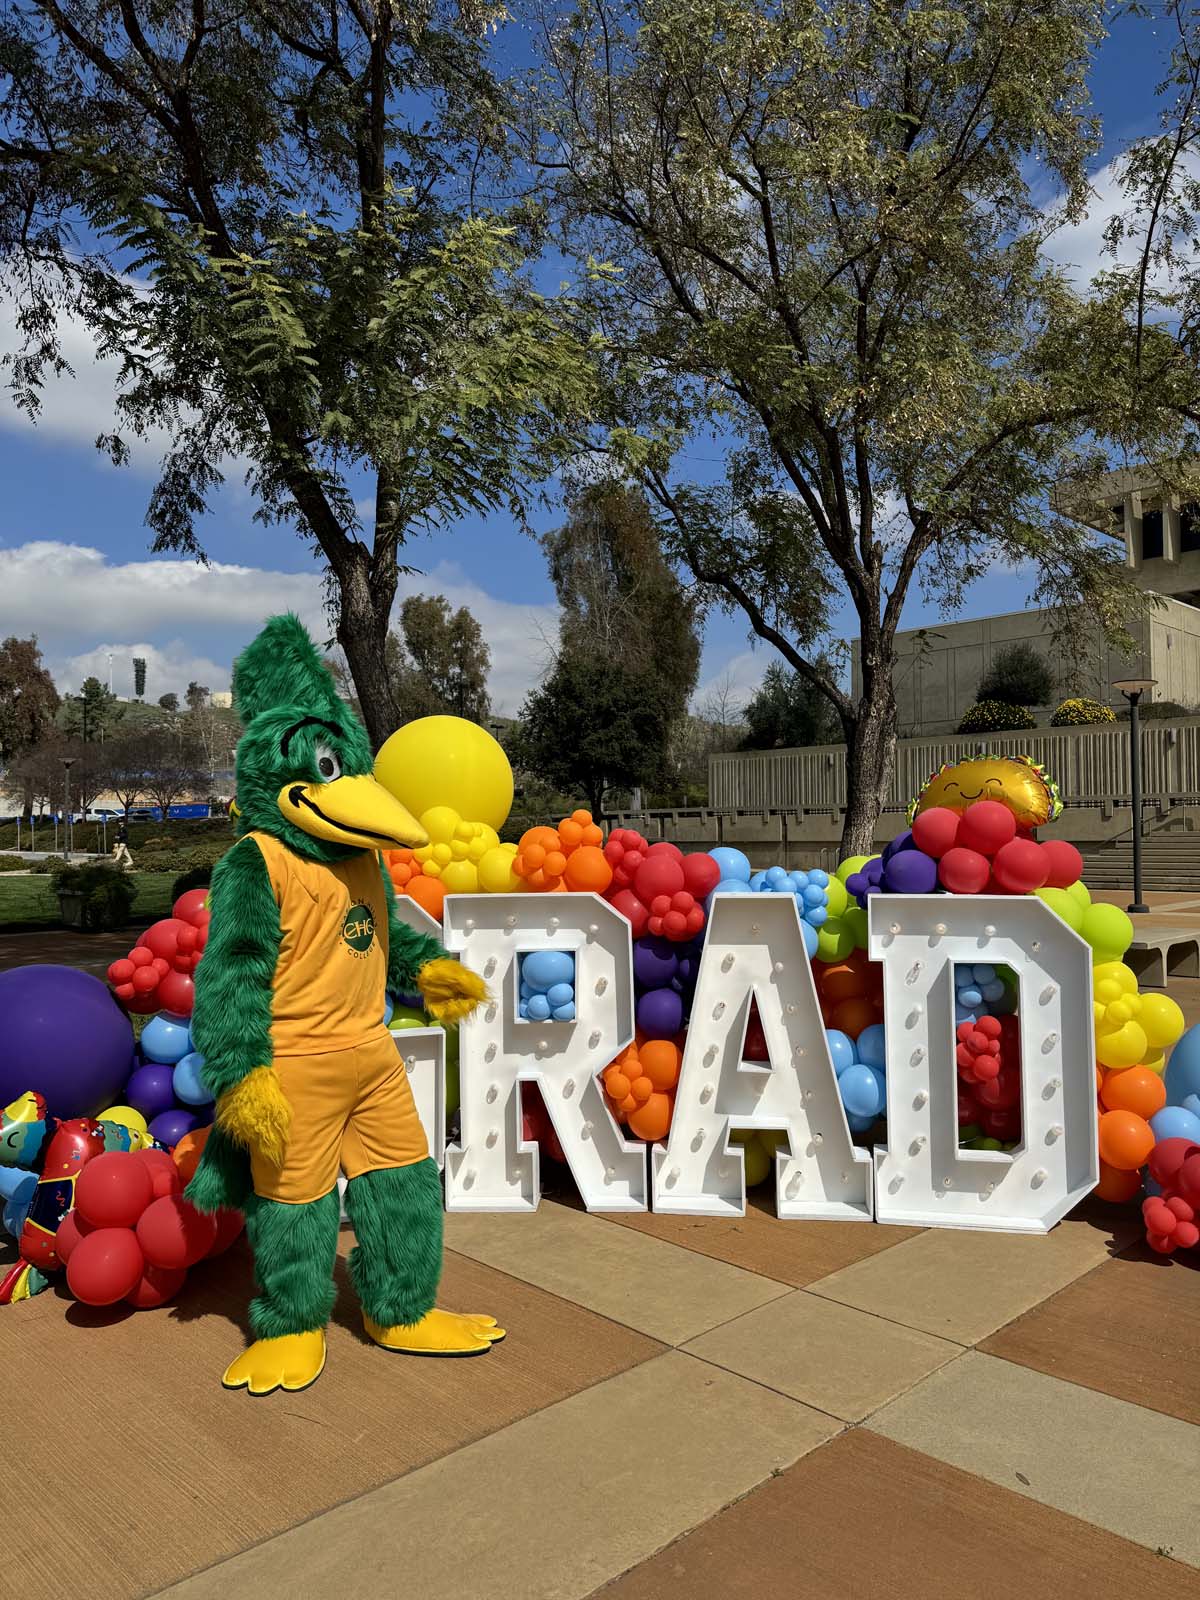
<point>1064,862</point>
<point>986,826</point>
<point>1168,1157</point>
<point>164,1174</point>
<point>144,979</point>
<point>71,1230</point>
<point>189,905</point>
<point>935,831</point>
<point>105,1266</point>
<point>140,956</point>
<point>661,874</point>
<point>229,1228</point>
<point>964,871</point>
<point>701,874</point>
<point>155,1287</point>
<point>113,1190</point>
<point>121,971</point>
<point>162,937</point>
<point>665,848</point>
<point>1020,867</point>
<point>632,909</point>
<point>173,1234</point>
<point>176,992</point>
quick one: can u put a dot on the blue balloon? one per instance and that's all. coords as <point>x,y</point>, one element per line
<point>810,939</point>
<point>562,994</point>
<point>187,1082</point>
<point>821,879</point>
<point>730,886</point>
<point>799,880</point>
<point>1182,1076</point>
<point>166,1040</point>
<point>733,863</point>
<point>993,991</point>
<point>758,882</point>
<point>537,1008</point>
<point>523,1010</point>
<point>565,1012</point>
<point>1173,1122</point>
<point>542,969</point>
<point>814,896</point>
<point>841,1049</point>
<point>970,996</point>
<point>1191,1103</point>
<point>963,1014</point>
<point>871,1048</point>
<point>982,973</point>
<point>859,1089</point>
<point>881,1080</point>
<point>817,916</point>
<point>389,1005</point>
<point>777,877</point>
<point>859,1124</point>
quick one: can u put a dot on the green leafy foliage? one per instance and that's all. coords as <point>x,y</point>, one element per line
<point>995,716</point>
<point>786,713</point>
<point>28,698</point>
<point>1081,712</point>
<point>1019,675</point>
<point>439,661</point>
<point>108,894</point>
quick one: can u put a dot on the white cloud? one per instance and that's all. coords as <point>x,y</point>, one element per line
<point>1078,248</point>
<point>82,606</point>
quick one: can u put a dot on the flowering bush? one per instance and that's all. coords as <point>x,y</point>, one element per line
<point>1081,712</point>
<point>993,716</point>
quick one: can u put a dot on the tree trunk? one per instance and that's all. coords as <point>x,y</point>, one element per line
<point>870,762</point>
<point>364,614</point>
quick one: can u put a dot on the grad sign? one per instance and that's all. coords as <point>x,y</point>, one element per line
<point>754,950</point>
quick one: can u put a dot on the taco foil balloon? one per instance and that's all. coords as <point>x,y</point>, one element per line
<point>1015,781</point>
<point>304,940</point>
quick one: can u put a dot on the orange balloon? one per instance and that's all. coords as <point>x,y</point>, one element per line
<point>188,1151</point>
<point>1126,1140</point>
<point>617,1084</point>
<point>852,1016</point>
<point>660,1062</point>
<point>1135,1089</point>
<point>1117,1186</point>
<point>841,982</point>
<point>429,893</point>
<point>651,1121</point>
<point>587,871</point>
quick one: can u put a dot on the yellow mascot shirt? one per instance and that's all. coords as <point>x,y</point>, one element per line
<point>331,976</point>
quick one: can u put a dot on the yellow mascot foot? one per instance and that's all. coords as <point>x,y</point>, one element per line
<point>439,1333</point>
<point>291,1362</point>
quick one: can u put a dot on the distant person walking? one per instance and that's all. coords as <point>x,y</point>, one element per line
<point>121,856</point>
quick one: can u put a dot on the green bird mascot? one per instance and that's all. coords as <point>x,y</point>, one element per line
<point>290,998</point>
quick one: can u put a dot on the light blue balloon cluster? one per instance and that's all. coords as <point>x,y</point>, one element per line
<point>187,1083</point>
<point>1180,1117</point>
<point>809,888</point>
<point>980,991</point>
<point>862,1081</point>
<point>547,992</point>
<point>167,1041</point>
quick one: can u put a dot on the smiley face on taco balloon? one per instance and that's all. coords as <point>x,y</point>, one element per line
<point>1015,781</point>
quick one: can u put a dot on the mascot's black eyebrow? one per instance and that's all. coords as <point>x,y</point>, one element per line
<point>307,722</point>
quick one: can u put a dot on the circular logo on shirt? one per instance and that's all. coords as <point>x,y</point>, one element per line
<point>358,930</point>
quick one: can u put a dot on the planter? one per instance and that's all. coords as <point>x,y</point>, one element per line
<point>70,908</point>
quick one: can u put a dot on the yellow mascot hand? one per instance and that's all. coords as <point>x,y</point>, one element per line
<point>254,1113</point>
<point>450,990</point>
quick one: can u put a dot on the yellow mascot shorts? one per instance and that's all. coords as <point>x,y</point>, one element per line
<point>352,1111</point>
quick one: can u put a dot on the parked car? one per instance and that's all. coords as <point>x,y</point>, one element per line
<point>100,814</point>
<point>144,814</point>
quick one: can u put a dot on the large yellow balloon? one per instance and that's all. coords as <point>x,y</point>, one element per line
<point>447,761</point>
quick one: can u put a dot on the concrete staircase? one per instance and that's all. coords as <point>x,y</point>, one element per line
<point>1170,864</point>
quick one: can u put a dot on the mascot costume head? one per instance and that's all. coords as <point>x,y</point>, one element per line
<point>290,997</point>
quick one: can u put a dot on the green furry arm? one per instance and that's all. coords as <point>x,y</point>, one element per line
<point>408,950</point>
<point>231,1023</point>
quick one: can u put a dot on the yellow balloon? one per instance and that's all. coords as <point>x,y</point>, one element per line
<point>1122,1047</point>
<point>496,875</point>
<point>441,823</point>
<point>461,877</point>
<point>447,761</point>
<point>1156,1063</point>
<point>1116,973</point>
<point>128,1117</point>
<point>1162,1020</point>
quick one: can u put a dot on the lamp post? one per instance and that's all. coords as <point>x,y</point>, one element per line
<point>68,762</point>
<point>1133,689</point>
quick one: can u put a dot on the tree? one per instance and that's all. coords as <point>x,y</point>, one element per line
<point>787,713</point>
<point>439,661</point>
<point>590,726</point>
<point>284,253</point>
<point>174,768</point>
<point>811,230</point>
<point>28,698</point>
<point>93,713</point>
<point>620,599</point>
<point>39,776</point>
<point>1019,675</point>
<point>139,677</point>
<point>129,760</point>
<point>169,702</point>
<point>196,696</point>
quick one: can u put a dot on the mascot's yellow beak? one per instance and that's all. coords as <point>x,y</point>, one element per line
<point>353,811</point>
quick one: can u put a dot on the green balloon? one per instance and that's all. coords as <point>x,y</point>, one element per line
<point>1063,905</point>
<point>1080,894</point>
<point>1108,930</point>
<point>758,1163</point>
<point>407,1017</point>
<point>853,864</point>
<point>835,940</point>
<point>855,919</point>
<point>968,1132</point>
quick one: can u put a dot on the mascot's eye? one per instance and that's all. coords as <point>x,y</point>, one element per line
<point>328,764</point>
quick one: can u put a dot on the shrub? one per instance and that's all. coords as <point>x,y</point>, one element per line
<point>993,716</point>
<point>195,878</point>
<point>1018,675</point>
<point>1081,712</point>
<point>108,895</point>
<point>14,864</point>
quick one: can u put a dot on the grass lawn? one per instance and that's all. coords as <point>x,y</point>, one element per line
<point>30,902</point>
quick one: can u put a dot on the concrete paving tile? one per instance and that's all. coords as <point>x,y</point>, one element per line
<point>828,1355</point>
<point>1113,1464</point>
<point>549,1508</point>
<point>864,1517</point>
<point>963,1285</point>
<point>1127,1328</point>
<point>668,1293</point>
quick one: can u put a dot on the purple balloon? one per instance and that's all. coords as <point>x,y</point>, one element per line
<point>856,884</point>
<point>911,872</point>
<point>873,871</point>
<point>170,1126</point>
<point>655,962</point>
<point>62,1034</point>
<point>660,1013</point>
<point>902,841</point>
<point>150,1090</point>
<point>689,963</point>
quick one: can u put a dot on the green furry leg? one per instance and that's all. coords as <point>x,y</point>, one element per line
<point>222,1179</point>
<point>397,1218</point>
<point>294,1251</point>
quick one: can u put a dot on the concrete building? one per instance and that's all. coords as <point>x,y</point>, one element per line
<point>939,667</point>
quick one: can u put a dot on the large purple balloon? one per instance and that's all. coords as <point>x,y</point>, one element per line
<point>911,872</point>
<point>151,1090</point>
<point>655,962</point>
<point>660,1013</point>
<point>63,1034</point>
<point>170,1126</point>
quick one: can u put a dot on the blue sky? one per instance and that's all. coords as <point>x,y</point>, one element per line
<point>75,566</point>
